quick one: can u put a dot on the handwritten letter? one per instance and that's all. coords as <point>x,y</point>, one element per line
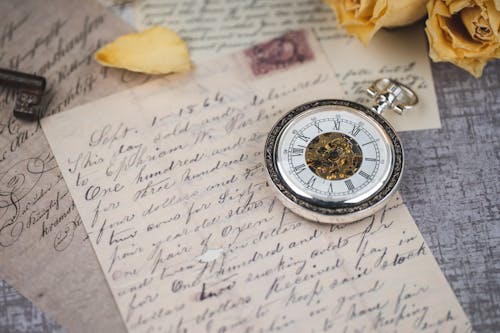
<point>171,189</point>
<point>42,249</point>
<point>215,27</point>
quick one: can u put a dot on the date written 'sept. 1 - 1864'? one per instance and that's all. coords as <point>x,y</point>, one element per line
<point>336,161</point>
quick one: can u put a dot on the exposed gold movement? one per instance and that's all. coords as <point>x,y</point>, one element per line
<point>333,156</point>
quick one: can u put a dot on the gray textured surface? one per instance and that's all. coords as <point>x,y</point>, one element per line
<point>17,314</point>
<point>451,187</point>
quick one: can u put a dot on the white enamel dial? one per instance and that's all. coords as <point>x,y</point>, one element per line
<point>334,154</point>
<point>337,161</point>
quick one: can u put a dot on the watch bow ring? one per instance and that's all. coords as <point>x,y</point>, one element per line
<point>337,161</point>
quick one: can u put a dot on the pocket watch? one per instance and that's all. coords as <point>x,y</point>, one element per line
<point>337,161</point>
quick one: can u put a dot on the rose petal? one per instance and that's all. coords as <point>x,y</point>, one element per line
<point>476,24</point>
<point>493,11</point>
<point>456,6</point>
<point>463,32</point>
<point>366,9</point>
<point>157,50</point>
<point>497,4</point>
<point>401,13</point>
<point>363,18</point>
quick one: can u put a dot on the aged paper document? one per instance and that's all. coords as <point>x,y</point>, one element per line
<point>43,252</point>
<point>215,27</point>
<point>169,181</point>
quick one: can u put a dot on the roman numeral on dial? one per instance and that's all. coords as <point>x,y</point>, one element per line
<point>364,175</point>
<point>350,186</point>
<point>311,181</point>
<point>355,130</point>
<point>336,124</point>
<point>299,168</point>
<point>301,136</point>
<point>297,151</point>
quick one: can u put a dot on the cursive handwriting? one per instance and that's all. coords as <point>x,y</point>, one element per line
<point>193,239</point>
<point>212,28</point>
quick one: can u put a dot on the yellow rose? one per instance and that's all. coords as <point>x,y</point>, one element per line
<point>464,32</point>
<point>363,18</point>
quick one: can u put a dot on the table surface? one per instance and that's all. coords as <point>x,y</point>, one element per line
<point>451,186</point>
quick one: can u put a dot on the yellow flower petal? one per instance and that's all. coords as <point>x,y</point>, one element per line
<point>497,4</point>
<point>363,18</point>
<point>463,32</point>
<point>476,24</point>
<point>157,50</point>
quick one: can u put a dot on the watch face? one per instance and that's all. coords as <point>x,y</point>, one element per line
<point>333,161</point>
<point>333,154</point>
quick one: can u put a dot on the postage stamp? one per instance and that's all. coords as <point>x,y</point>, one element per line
<point>279,53</point>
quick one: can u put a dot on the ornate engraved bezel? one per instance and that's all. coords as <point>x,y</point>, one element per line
<point>329,212</point>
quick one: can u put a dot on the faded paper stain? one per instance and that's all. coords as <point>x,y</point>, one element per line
<point>210,255</point>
